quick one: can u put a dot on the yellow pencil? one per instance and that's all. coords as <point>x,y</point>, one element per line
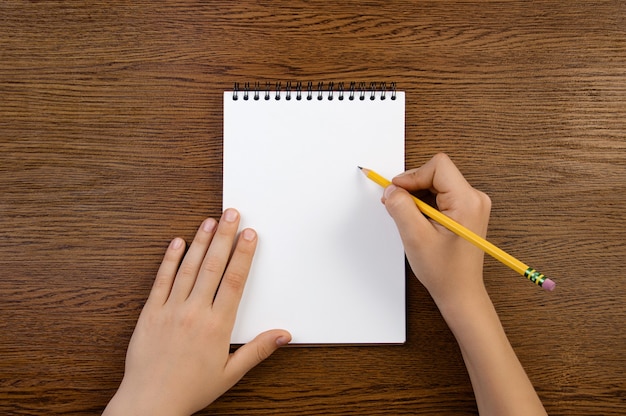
<point>495,252</point>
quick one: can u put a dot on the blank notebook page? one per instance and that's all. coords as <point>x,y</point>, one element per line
<point>329,265</point>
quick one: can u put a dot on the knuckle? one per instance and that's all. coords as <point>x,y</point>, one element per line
<point>486,200</point>
<point>262,352</point>
<point>245,248</point>
<point>479,201</point>
<point>187,269</point>
<point>188,317</point>
<point>394,201</point>
<point>162,281</point>
<point>212,266</point>
<point>235,280</point>
<point>441,158</point>
<point>226,230</point>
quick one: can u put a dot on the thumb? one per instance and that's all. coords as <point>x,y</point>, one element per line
<point>412,225</point>
<point>257,350</point>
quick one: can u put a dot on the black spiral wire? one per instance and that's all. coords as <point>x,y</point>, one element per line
<point>353,91</point>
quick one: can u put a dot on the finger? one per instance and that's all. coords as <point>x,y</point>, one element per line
<point>455,197</point>
<point>439,175</point>
<point>414,228</point>
<point>162,285</point>
<point>254,352</point>
<point>234,280</point>
<point>216,257</point>
<point>188,271</point>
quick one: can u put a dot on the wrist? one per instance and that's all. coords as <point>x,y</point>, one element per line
<point>135,404</point>
<point>465,307</point>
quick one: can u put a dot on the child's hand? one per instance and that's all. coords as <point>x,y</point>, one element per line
<point>178,360</point>
<point>446,264</point>
<point>452,271</point>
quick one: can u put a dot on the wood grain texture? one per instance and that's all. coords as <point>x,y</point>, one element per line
<point>110,145</point>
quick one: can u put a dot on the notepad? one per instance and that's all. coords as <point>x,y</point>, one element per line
<point>329,265</point>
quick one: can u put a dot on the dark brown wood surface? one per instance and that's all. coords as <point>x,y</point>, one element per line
<point>110,145</point>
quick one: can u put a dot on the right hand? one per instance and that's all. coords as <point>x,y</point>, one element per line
<point>448,266</point>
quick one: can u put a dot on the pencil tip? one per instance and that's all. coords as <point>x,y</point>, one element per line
<point>360,167</point>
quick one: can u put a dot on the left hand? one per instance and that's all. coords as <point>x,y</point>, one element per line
<point>179,359</point>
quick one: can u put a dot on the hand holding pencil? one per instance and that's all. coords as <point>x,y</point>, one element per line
<point>456,200</point>
<point>451,269</point>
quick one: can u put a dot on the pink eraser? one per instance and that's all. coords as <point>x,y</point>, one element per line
<point>548,285</point>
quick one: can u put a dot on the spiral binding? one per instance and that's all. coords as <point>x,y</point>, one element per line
<point>354,91</point>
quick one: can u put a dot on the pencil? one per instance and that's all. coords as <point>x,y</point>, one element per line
<point>495,252</point>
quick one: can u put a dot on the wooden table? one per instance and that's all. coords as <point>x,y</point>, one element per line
<point>111,141</point>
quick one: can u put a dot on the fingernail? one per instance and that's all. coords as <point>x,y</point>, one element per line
<point>282,341</point>
<point>248,234</point>
<point>389,190</point>
<point>230,215</point>
<point>176,243</point>
<point>208,225</point>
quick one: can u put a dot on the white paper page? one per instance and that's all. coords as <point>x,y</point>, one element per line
<point>329,265</point>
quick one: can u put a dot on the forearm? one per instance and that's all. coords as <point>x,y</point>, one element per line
<point>500,383</point>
